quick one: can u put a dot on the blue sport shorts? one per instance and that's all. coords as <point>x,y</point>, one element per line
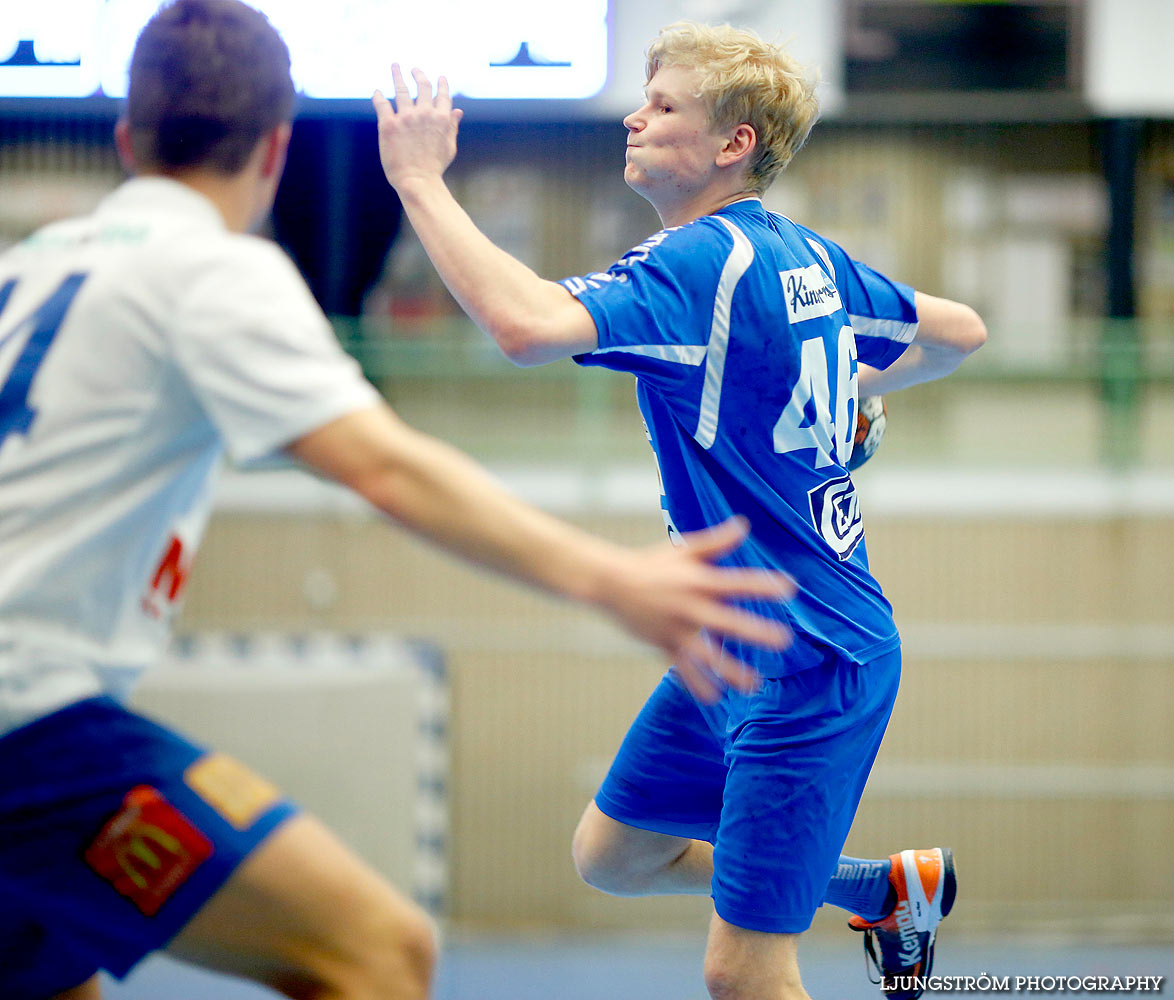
<point>772,780</point>
<point>114,831</point>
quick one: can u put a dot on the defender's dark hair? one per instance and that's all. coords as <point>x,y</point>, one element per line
<point>208,78</point>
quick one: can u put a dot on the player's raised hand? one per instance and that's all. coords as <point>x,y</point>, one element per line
<point>673,597</point>
<point>417,137</point>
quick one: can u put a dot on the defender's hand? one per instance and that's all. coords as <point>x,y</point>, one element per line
<point>417,138</point>
<point>676,599</point>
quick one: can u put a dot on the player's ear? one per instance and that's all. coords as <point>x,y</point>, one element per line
<point>275,145</point>
<point>740,142</point>
<point>123,144</point>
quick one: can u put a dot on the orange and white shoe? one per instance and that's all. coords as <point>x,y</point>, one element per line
<point>901,945</point>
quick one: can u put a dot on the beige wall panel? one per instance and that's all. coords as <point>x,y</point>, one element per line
<point>1029,712</point>
<point>537,731</point>
<point>1002,571</point>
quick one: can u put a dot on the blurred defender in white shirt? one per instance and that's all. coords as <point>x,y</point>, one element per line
<point>136,345</point>
<point>176,338</point>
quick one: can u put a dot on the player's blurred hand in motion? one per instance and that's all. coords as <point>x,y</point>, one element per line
<point>676,599</point>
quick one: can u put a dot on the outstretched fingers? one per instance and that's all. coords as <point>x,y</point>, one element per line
<point>710,544</point>
<point>383,108</point>
<point>711,613</point>
<point>707,546</point>
<point>734,623</point>
<point>424,93</point>
<point>732,584</point>
<point>423,87</point>
<point>417,138</point>
<point>706,670</point>
<point>721,539</point>
<point>443,97</point>
<point>403,96</point>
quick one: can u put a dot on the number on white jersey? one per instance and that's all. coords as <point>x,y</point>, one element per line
<point>16,416</point>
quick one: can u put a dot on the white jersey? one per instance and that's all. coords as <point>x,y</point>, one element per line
<point>136,344</point>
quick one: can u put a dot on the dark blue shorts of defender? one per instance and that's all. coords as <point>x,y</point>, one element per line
<point>772,780</point>
<point>113,832</point>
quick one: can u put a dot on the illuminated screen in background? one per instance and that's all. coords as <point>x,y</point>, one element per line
<point>510,49</point>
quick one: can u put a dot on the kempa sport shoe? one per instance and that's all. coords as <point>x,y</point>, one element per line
<point>900,946</point>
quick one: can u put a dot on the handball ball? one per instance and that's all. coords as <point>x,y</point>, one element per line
<point>870,428</point>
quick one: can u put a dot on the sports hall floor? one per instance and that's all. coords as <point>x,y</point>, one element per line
<point>668,967</point>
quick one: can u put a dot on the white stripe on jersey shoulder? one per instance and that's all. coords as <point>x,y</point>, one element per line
<point>885,329</point>
<point>739,260</point>
<point>685,354</point>
<point>822,252</point>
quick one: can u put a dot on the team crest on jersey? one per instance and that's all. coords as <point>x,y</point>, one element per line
<point>835,512</point>
<point>809,293</point>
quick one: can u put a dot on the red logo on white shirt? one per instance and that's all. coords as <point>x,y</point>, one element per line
<point>170,577</point>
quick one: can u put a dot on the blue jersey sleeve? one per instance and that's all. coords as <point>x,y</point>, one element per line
<point>881,310</point>
<point>653,309</point>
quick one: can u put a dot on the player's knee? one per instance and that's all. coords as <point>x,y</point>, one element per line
<point>727,978</point>
<point>726,981</point>
<point>721,980</point>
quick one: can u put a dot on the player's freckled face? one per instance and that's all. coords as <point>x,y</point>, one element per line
<point>671,148</point>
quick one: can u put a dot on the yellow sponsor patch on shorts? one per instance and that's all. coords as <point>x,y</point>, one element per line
<point>240,795</point>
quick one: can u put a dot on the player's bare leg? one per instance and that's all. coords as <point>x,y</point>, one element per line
<point>305,917</point>
<point>625,861</point>
<point>89,990</point>
<point>749,965</point>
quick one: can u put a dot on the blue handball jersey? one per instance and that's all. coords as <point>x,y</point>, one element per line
<point>744,330</point>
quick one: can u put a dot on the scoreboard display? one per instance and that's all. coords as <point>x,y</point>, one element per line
<point>508,50</point>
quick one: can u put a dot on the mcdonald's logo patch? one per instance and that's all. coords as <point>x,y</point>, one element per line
<point>148,849</point>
